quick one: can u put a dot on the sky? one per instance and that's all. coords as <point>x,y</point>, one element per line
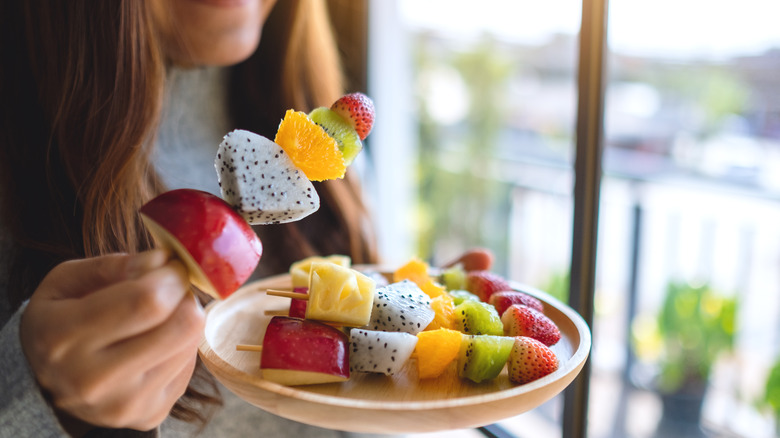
<point>667,28</point>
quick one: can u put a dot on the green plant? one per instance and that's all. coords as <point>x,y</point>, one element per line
<point>557,285</point>
<point>772,393</point>
<point>693,327</point>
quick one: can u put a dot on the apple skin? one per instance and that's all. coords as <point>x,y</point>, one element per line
<point>298,307</point>
<point>218,246</point>
<point>302,352</point>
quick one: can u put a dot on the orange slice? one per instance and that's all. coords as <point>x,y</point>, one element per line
<point>435,350</point>
<point>310,148</point>
<point>433,289</point>
<point>415,270</point>
<point>444,313</point>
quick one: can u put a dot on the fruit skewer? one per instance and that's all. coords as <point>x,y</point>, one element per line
<point>302,352</point>
<point>249,347</point>
<point>261,182</point>
<point>336,294</point>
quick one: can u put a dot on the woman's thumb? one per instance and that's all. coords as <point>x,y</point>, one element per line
<point>77,278</point>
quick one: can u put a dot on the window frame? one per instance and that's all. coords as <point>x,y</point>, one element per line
<point>351,27</point>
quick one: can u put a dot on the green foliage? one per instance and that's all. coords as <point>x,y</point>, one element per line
<point>460,200</point>
<point>695,325</point>
<point>716,92</point>
<point>558,285</point>
<point>772,392</point>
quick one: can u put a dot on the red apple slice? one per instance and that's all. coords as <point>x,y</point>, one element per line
<point>304,352</point>
<point>216,244</point>
<point>298,307</point>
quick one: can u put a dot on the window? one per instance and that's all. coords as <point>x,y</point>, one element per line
<point>476,145</point>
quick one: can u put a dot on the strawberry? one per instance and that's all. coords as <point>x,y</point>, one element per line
<point>503,299</point>
<point>358,110</point>
<point>485,283</point>
<point>530,360</point>
<point>475,259</point>
<point>521,320</point>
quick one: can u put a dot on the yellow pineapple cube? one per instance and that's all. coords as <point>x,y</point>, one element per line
<point>299,271</point>
<point>338,294</point>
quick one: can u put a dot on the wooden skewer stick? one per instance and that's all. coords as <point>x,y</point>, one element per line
<point>287,294</point>
<point>247,347</point>
<point>276,312</point>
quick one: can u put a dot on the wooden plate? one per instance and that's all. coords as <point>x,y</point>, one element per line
<point>370,403</point>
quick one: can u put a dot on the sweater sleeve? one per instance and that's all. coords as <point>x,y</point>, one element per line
<point>23,410</point>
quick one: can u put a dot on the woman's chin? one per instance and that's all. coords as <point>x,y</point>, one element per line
<point>222,51</point>
<point>211,32</point>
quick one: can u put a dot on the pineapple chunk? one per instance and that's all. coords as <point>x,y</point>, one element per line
<point>338,294</point>
<point>299,271</point>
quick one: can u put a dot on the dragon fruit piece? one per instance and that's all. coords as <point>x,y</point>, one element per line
<point>401,307</point>
<point>380,352</point>
<point>260,181</point>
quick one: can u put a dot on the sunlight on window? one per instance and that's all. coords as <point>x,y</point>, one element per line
<point>693,29</point>
<point>691,188</point>
<point>519,21</point>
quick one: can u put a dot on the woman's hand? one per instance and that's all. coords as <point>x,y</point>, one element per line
<point>113,339</point>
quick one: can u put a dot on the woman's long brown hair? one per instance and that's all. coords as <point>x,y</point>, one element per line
<point>80,92</point>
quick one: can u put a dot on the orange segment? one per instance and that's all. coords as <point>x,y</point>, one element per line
<point>444,313</point>
<point>415,270</point>
<point>310,148</point>
<point>435,350</point>
<point>433,289</point>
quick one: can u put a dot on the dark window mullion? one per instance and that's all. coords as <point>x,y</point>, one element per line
<point>587,167</point>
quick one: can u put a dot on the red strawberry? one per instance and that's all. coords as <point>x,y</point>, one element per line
<point>520,320</point>
<point>530,360</point>
<point>476,259</point>
<point>503,299</point>
<point>485,283</point>
<point>358,110</point>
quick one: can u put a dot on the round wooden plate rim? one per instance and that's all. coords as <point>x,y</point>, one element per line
<point>573,365</point>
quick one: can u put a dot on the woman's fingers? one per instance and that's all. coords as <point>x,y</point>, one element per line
<point>144,401</point>
<point>139,401</point>
<point>78,278</point>
<point>131,307</point>
<point>114,339</point>
<point>181,332</point>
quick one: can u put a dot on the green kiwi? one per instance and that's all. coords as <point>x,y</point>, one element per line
<point>483,357</point>
<point>454,278</point>
<point>478,318</point>
<point>459,296</point>
<point>340,130</point>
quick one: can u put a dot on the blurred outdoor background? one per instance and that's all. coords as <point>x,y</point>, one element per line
<point>474,146</point>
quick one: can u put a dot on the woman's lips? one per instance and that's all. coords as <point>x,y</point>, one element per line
<point>223,3</point>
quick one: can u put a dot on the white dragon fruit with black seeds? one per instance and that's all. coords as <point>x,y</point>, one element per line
<point>260,181</point>
<point>373,351</point>
<point>401,307</point>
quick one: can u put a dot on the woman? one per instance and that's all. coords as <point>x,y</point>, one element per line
<point>104,105</point>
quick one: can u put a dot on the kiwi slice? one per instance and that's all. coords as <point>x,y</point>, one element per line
<point>454,278</point>
<point>483,357</point>
<point>478,318</point>
<point>340,130</point>
<point>460,295</point>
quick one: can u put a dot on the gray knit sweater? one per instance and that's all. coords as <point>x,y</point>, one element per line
<point>193,125</point>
